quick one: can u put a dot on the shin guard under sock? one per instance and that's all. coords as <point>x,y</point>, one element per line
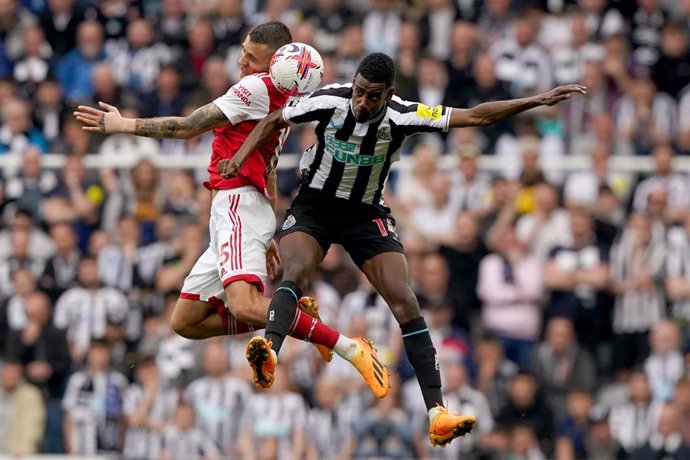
<point>281,312</point>
<point>424,360</point>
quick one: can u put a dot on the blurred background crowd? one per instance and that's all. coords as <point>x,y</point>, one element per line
<point>559,301</point>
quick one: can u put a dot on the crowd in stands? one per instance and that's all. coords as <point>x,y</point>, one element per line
<point>559,303</point>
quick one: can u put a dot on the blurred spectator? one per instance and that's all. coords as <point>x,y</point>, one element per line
<point>74,69</point>
<point>167,99</point>
<point>61,269</point>
<point>381,27</point>
<point>434,287</point>
<point>183,439</point>
<point>682,401</point>
<point>77,199</point>
<point>229,23</point>
<point>645,31</point>
<point>600,21</point>
<point>675,185</point>
<point>137,59</point>
<point>672,71</point>
<point>486,88</point>
<point>23,413</point>
<point>582,187</point>
<point>40,246</point>
<point>575,274</point>
<point>148,406</point>
<point>31,185</point>
<point>560,365</point>
<point>665,365</point>
<point>667,442</point>
<point>494,372</point>
<point>548,226</point>
<point>570,58</point>
<point>409,50</point>
<point>520,62</point>
<point>117,262</point>
<point>510,284</point>
<point>93,405</point>
<point>351,46</point>
<point>191,63</point>
<point>13,20</point>
<point>414,186</point>
<point>19,260</point>
<point>42,349</point>
<point>170,22</point>
<point>74,141</point>
<point>383,430</point>
<point>645,117</point>
<point>33,66</point>
<point>436,220</point>
<point>60,22</point>
<point>678,271</point>
<point>134,148</point>
<point>572,429</point>
<point>463,251</point>
<point>17,132</point>
<point>12,311</point>
<point>285,427</point>
<point>525,406</point>
<point>214,83</point>
<point>459,63</point>
<point>329,421</point>
<point>599,442</point>
<point>106,89</point>
<point>436,28</point>
<point>523,444</point>
<point>470,188</point>
<point>219,400</point>
<point>633,422</point>
<point>329,17</point>
<point>277,10</point>
<point>90,311</point>
<point>637,267</point>
<point>495,19</point>
<point>49,109</point>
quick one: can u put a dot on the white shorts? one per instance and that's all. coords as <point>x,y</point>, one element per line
<point>241,228</point>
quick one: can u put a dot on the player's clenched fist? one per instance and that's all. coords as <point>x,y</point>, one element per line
<point>228,168</point>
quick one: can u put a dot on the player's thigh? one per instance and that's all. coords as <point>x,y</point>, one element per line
<point>304,239</point>
<point>189,313</point>
<point>243,228</point>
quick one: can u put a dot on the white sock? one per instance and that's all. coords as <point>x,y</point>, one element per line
<point>433,412</point>
<point>345,347</point>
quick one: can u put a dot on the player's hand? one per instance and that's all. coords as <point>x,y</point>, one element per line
<point>272,260</point>
<point>561,93</point>
<point>228,168</point>
<point>106,121</point>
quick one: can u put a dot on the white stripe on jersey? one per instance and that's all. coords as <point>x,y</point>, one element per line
<point>351,160</point>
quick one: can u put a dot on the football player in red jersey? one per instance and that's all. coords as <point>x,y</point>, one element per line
<point>241,254</point>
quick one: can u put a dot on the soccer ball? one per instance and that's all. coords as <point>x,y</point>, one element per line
<point>296,69</point>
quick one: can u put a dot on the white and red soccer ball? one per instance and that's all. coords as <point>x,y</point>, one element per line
<point>296,69</point>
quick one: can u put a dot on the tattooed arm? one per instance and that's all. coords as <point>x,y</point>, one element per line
<point>109,121</point>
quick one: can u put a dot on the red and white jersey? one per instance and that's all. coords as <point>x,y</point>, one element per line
<point>245,104</point>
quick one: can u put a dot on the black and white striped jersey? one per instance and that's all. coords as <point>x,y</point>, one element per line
<point>352,160</point>
<point>219,404</point>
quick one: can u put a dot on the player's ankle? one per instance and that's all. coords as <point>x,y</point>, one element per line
<point>345,347</point>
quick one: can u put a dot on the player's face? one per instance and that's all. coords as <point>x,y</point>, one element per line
<point>368,99</point>
<point>255,58</point>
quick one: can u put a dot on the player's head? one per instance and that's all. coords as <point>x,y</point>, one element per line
<point>259,46</point>
<point>372,86</point>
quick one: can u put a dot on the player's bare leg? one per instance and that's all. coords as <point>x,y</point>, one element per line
<point>195,319</point>
<point>388,273</point>
<point>301,255</point>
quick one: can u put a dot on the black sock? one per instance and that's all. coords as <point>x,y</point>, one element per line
<point>422,355</point>
<point>281,312</point>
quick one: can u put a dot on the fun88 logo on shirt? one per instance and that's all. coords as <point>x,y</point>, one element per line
<point>346,152</point>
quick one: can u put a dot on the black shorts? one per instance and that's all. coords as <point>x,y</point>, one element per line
<point>364,230</point>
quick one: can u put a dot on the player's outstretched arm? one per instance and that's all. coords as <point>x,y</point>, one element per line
<point>492,112</point>
<point>260,135</point>
<point>109,121</point>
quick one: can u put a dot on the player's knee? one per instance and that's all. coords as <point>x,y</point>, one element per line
<point>183,324</point>
<point>403,304</point>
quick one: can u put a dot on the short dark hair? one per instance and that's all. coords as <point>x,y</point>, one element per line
<point>274,34</point>
<point>377,68</point>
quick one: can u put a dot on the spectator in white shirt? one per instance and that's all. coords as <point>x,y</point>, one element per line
<point>665,366</point>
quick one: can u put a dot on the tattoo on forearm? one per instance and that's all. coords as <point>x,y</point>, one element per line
<point>156,127</point>
<point>202,119</point>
